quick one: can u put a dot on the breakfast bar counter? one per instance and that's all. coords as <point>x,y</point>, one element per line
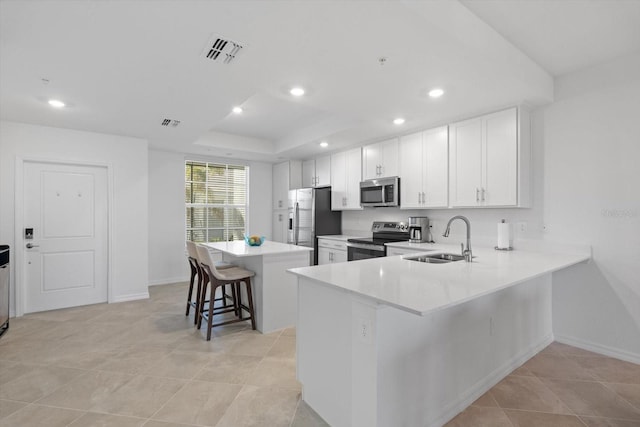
<point>275,292</point>
<point>391,341</point>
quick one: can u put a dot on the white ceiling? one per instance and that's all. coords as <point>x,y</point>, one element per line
<point>125,66</point>
<point>568,35</point>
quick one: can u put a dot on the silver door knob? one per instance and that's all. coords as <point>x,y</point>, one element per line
<point>31,245</point>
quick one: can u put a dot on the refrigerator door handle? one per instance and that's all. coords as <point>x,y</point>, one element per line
<point>296,232</point>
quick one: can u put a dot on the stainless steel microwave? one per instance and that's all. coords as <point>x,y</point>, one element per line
<point>380,192</point>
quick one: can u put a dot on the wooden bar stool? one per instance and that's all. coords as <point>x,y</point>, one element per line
<point>234,276</point>
<point>196,270</point>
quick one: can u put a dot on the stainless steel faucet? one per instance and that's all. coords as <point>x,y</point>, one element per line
<point>468,255</point>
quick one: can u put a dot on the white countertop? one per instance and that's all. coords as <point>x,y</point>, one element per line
<point>240,249</point>
<point>340,237</point>
<point>421,288</point>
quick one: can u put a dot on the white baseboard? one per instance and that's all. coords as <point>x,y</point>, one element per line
<point>600,349</point>
<point>168,280</point>
<point>130,297</point>
<point>484,385</point>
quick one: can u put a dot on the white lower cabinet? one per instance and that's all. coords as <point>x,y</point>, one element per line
<point>279,226</point>
<point>331,251</point>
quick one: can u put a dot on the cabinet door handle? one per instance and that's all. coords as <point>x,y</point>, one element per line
<point>477,195</point>
<point>482,198</point>
<point>424,199</point>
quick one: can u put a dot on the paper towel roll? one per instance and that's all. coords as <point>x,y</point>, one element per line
<point>504,235</point>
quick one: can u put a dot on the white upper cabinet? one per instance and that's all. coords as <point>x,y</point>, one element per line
<point>317,172</point>
<point>380,159</point>
<point>286,176</point>
<point>424,169</point>
<point>346,174</point>
<point>435,150</point>
<point>489,161</point>
<point>323,171</point>
<point>411,164</point>
<point>308,173</point>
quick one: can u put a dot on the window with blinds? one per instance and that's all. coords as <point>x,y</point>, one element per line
<point>216,201</point>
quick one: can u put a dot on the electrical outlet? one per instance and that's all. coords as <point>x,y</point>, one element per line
<point>365,331</point>
<point>522,227</point>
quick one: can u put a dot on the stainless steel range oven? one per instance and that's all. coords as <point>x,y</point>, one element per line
<point>372,247</point>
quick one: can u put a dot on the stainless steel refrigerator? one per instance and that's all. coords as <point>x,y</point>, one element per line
<point>310,215</point>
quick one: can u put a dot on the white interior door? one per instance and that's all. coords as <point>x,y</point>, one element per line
<point>66,261</point>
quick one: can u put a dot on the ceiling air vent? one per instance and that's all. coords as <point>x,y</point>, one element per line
<point>221,49</point>
<point>169,122</point>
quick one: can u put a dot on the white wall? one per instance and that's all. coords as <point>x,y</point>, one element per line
<point>127,159</point>
<point>592,195</point>
<point>167,258</point>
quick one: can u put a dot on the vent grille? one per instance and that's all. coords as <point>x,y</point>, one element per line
<point>221,49</point>
<point>170,122</point>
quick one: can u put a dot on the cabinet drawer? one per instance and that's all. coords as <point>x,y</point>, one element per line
<point>332,244</point>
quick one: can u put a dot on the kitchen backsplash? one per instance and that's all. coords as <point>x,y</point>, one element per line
<point>483,222</point>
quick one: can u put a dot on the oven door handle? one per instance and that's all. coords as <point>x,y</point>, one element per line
<point>366,247</point>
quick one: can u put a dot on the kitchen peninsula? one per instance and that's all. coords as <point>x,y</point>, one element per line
<point>274,291</point>
<point>392,342</point>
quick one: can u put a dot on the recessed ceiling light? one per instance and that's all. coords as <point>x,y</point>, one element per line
<point>56,103</point>
<point>324,144</point>
<point>436,93</point>
<point>297,91</point>
<point>237,110</point>
<point>398,121</point>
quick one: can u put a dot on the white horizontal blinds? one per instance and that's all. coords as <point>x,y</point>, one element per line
<point>216,201</point>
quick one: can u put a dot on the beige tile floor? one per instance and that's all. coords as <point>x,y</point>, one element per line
<point>142,363</point>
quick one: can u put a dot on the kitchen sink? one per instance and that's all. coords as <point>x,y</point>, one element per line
<point>436,258</point>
